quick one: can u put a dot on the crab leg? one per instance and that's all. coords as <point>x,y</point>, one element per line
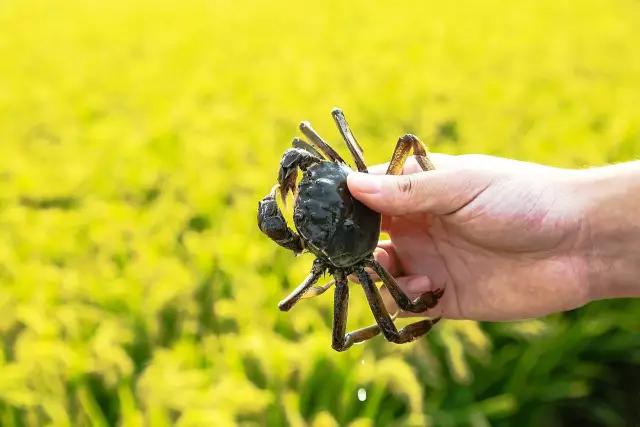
<point>422,303</point>
<point>406,144</point>
<point>340,339</point>
<point>319,143</point>
<point>318,290</point>
<point>316,271</point>
<point>292,159</point>
<point>352,144</point>
<point>385,321</point>
<point>304,145</point>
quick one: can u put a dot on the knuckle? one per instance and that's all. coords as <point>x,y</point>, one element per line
<point>406,185</point>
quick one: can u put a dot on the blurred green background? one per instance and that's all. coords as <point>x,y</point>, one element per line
<point>136,138</point>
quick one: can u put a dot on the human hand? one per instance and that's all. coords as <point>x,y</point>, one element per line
<point>506,239</point>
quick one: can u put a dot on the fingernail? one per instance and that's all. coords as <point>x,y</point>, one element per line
<point>363,183</point>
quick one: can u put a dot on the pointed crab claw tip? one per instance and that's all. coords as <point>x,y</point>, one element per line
<point>436,320</point>
<point>283,306</point>
<point>408,137</point>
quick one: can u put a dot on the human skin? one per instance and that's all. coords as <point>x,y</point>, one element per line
<point>507,239</point>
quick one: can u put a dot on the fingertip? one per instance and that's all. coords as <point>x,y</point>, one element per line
<point>378,192</point>
<point>415,286</point>
<point>363,183</point>
<point>382,257</point>
<point>445,304</point>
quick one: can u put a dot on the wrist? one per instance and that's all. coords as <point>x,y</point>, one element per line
<point>609,198</point>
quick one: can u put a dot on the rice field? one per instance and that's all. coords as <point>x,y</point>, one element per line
<point>137,137</point>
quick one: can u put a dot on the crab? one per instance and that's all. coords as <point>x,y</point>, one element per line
<point>341,232</point>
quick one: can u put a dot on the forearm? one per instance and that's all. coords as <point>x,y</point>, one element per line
<point>611,230</point>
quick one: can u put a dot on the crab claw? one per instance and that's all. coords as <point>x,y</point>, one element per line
<point>272,222</point>
<point>292,160</point>
<point>287,181</point>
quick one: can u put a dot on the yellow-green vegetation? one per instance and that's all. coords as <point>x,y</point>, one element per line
<point>137,137</point>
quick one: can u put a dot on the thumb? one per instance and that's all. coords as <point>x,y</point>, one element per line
<point>438,191</point>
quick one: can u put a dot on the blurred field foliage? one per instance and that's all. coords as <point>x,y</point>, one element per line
<point>137,136</point>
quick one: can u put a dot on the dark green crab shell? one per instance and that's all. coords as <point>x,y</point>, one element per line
<point>334,226</point>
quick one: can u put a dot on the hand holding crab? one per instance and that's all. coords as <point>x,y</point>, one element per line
<point>341,231</point>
